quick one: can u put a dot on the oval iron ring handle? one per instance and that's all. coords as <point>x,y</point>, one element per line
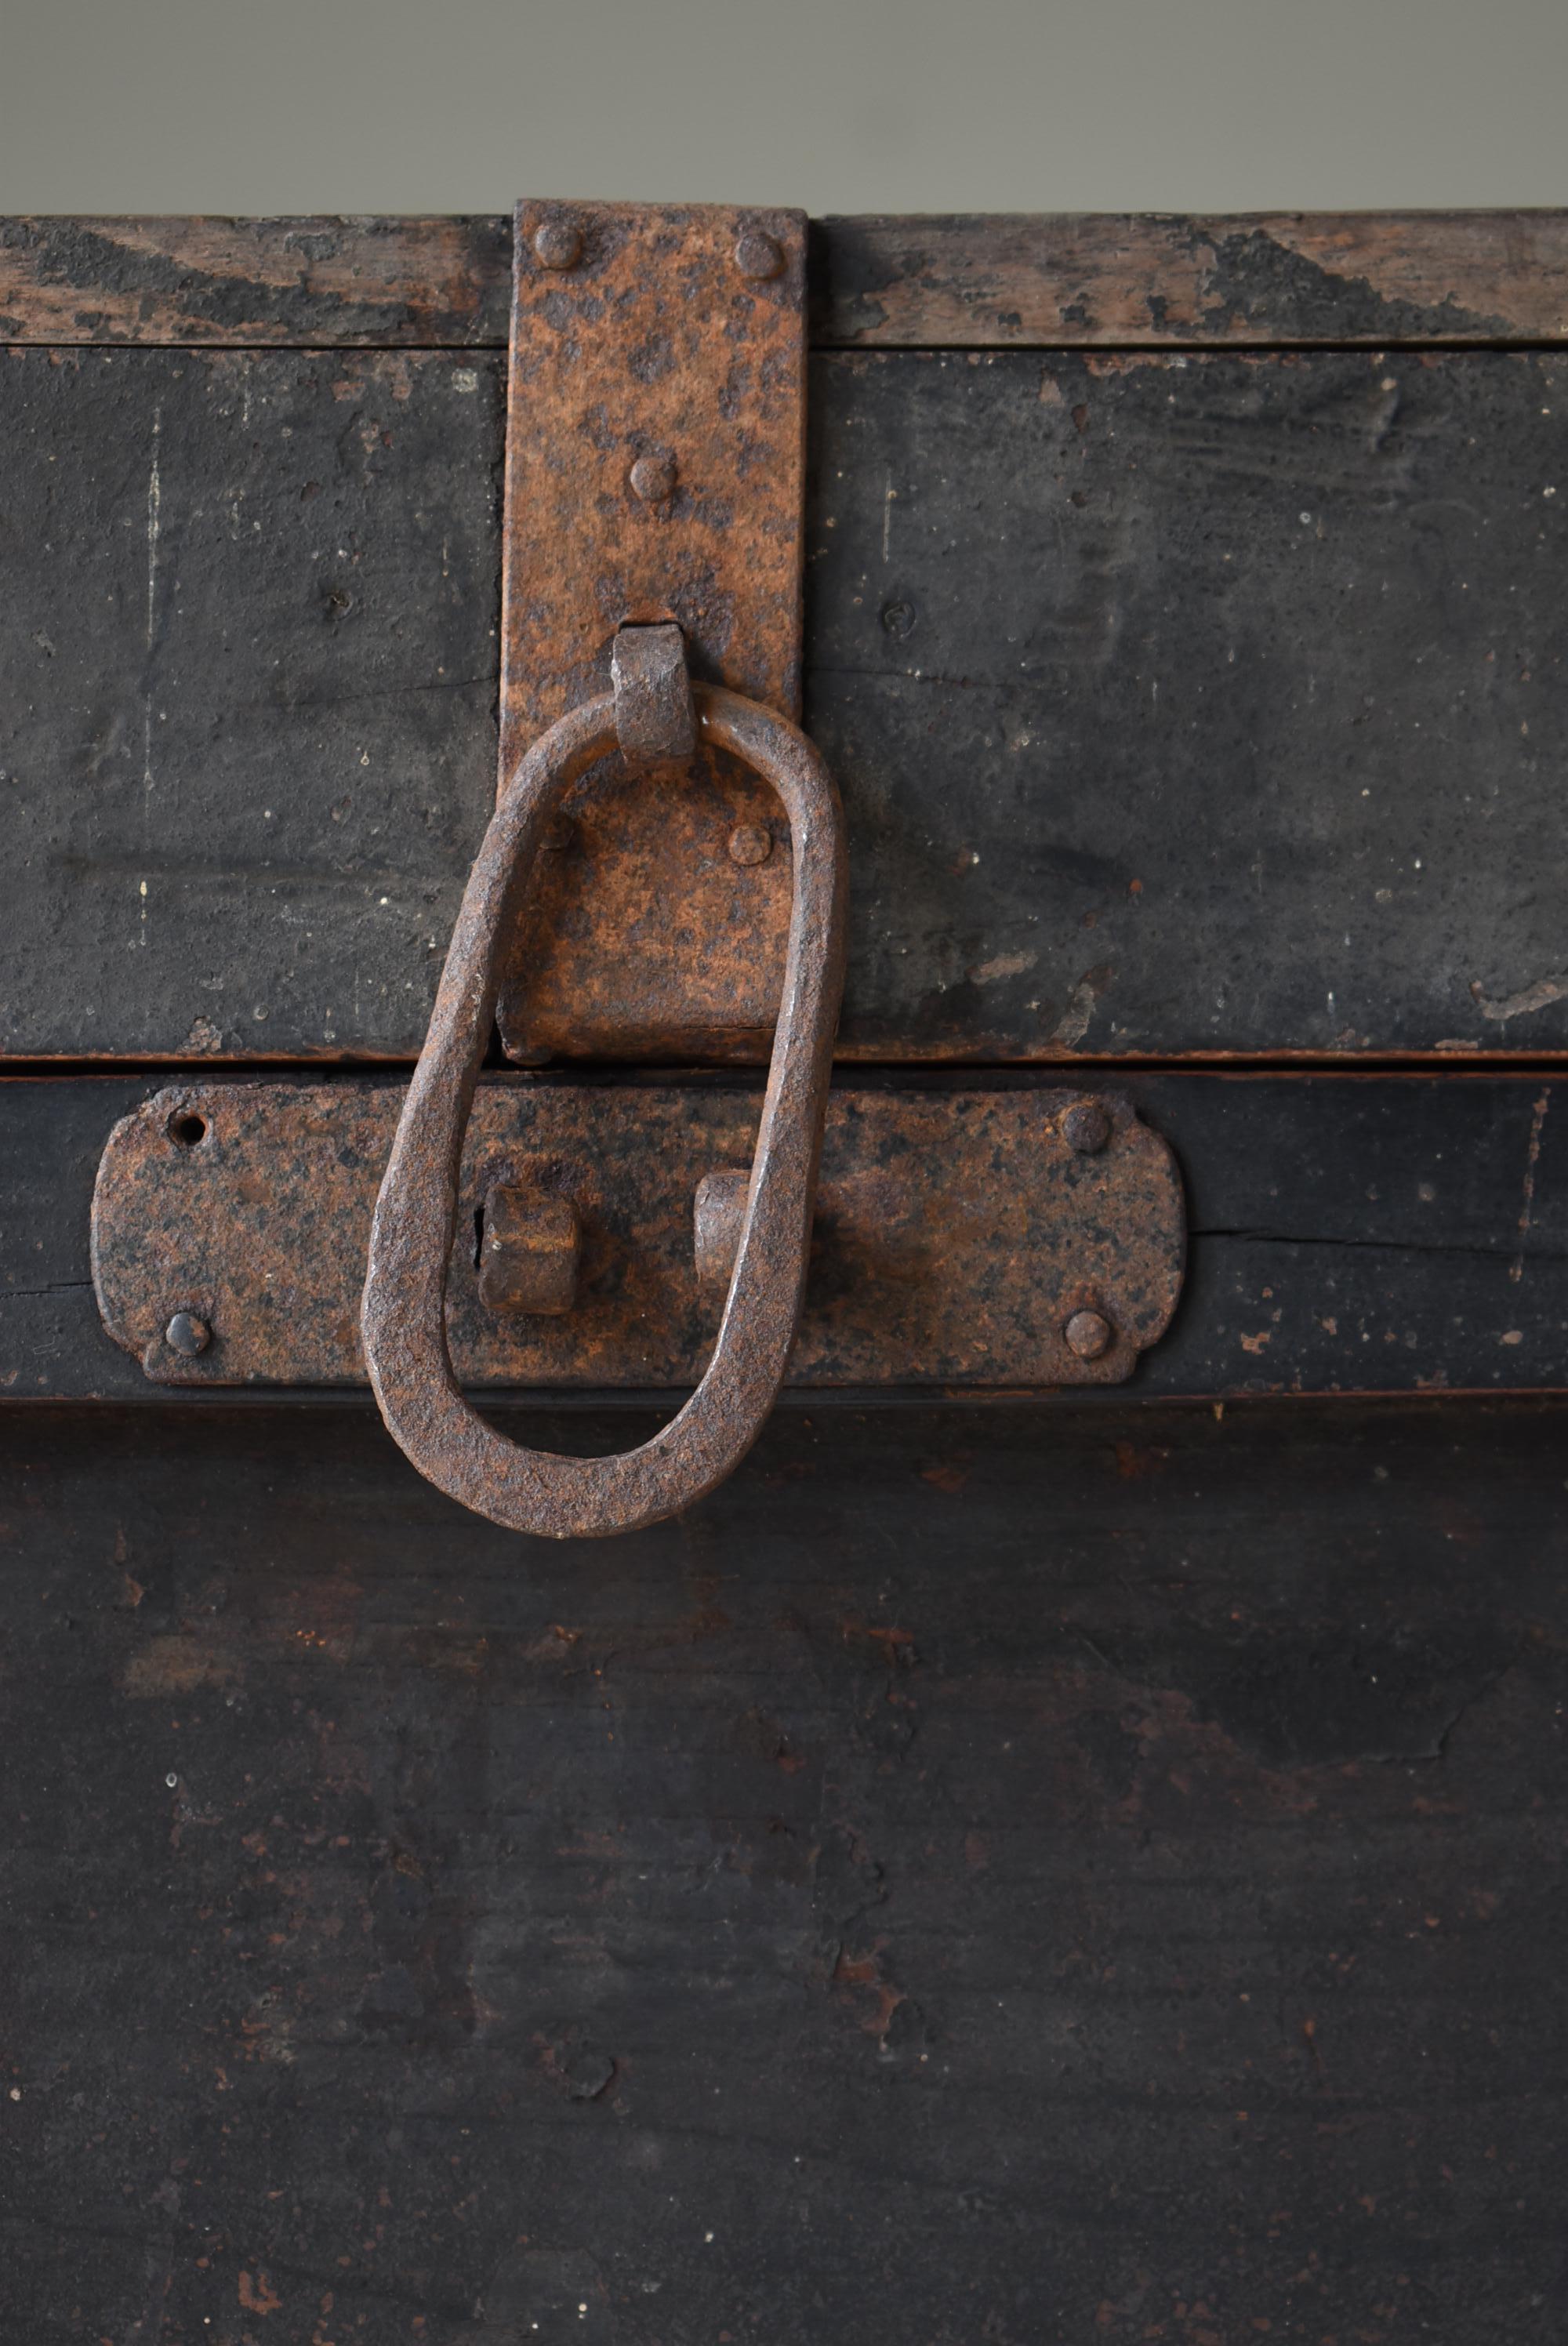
<point>402,1319</point>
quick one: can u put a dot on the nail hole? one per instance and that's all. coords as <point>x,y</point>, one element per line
<point>186,1129</point>
<point>478,1235</point>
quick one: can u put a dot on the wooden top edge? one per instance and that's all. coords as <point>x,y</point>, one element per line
<point>383,282</point>
<point>998,281</point>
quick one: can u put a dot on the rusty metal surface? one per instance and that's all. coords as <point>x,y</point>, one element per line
<point>718,1211</point>
<point>655,453</point>
<point>648,939</point>
<point>956,1233</point>
<point>654,473</point>
<point>656,722</point>
<point>403,1320</point>
<point>529,1245</point>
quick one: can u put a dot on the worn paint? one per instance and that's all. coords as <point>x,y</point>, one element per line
<point>1063,280</point>
<point>900,1897</point>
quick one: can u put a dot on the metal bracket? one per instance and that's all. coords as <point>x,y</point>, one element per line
<point>655,721</point>
<point>655,475</point>
<point>1018,1237</point>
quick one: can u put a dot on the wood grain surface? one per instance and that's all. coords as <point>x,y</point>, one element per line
<point>1179,705</point>
<point>1141,281</point>
<point>980,1877</point>
<point>245,283</point>
<point>248,627</point>
<point>1066,280</point>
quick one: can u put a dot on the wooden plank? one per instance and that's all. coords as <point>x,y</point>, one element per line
<point>958,1885</point>
<point>246,284</point>
<point>248,621</point>
<point>1147,281</point>
<point>1065,280</point>
<point>1379,1235</point>
<point>1136,761</point>
<point>1194,705</point>
<point>1375,1235</point>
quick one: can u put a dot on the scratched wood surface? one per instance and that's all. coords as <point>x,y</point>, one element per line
<point>248,627</point>
<point>985,1878</point>
<point>1066,280</point>
<point>1382,1236</point>
<point>1181,703</point>
<point>1087,280</point>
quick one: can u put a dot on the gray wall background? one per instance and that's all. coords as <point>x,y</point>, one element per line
<point>129,106</point>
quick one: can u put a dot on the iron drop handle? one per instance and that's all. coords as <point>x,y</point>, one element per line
<point>404,1314</point>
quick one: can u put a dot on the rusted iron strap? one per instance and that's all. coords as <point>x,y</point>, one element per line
<point>402,1321</point>
<point>957,1233</point>
<point>655,450</point>
<point>655,475</point>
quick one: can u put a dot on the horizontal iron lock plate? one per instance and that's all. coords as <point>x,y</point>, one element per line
<point>1002,1239</point>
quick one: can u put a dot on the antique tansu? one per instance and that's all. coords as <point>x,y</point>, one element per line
<point>785,1279</point>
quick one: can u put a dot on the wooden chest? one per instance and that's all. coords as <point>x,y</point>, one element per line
<point>1064,1841</point>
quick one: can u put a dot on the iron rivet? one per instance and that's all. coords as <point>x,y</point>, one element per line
<point>530,1248</point>
<point>188,1334</point>
<point>653,478</point>
<point>1088,1334</point>
<point>560,832</point>
<point>750,844</point>
<point>759,255</point>
<point>1086,1128</point>
<point>558,244</point>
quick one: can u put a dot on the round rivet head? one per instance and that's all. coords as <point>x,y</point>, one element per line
<point>1088,1334</point>
<point>750,844</point>
<point>558,244</point>
<point>1086,1128</point>
<point>186,1334</point>
<point>653,479</point>
<point>759,255</point>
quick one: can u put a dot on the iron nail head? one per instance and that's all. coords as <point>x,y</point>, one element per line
<point>1088,1334</point>
<point>653,479</point>
<point>750,842</point>
<point>759,255</point>
<point>558,244</point>
<point>1086,1128</point>
<point>186,1334</point>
